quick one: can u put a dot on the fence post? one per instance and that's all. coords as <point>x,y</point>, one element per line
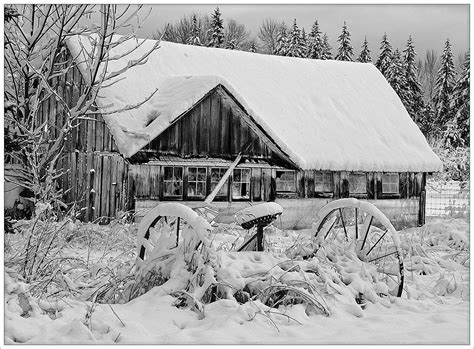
<point>422,208</point>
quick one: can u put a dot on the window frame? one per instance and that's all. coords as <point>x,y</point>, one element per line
<point>234,182</point>
<point>173,196</point>
<point>219,196</point>
<point>354,193</point>
<point>397,183</point>
<point>195,182</point>
<point>324,175</point>
<point>293,181</point>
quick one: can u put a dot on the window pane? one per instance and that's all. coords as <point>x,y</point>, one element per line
<point>357,184</point>
<point>178,188</point>
<point>390,183</point>
<point>215,175</point>
<point>201,189</point>
<point>236,190</point>
<point>178,173</point>
<point>168,190</point>
<point>202,174</point>
<point>192,174</point>
<point>237,175</point>
<point>168,173</point>
<point>323,182</point>
<point>245,175</point>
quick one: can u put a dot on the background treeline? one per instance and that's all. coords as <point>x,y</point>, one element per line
<point>433,88</point>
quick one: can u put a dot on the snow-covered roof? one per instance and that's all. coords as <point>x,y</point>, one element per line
<point>328,115</point>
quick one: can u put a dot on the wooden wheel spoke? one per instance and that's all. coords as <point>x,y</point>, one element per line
<point>381,248</point>
<point>343,224</point>
<point>356,225</point>
<point>332,225</point>
<point>380,239</point>
<point>177,230</point>
<point>383,256</point>
<point>367,230</point>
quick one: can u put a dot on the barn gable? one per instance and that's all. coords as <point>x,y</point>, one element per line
<point>216,126</point>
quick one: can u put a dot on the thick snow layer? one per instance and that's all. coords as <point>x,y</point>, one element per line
<point>257,211</point>
<point>434,309</point>
<point>324,114</point>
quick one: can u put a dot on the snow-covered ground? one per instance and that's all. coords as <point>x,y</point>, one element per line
<point>434,308</point>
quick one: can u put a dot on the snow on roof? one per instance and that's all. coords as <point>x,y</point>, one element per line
<point>327,115</point>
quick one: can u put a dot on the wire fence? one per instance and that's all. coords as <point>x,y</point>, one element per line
<point>450,199</point>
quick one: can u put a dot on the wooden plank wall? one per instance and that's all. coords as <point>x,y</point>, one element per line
<point>214,127</point>
<point>94,180</point>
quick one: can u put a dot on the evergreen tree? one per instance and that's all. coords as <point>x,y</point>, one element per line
<point>253,47</point>
<point>416,104</point>
<point>345,50</point>
<point>231,45</point>
<point>364,56</point>
<point>281,42</point>
<point>216,31</point>
<point>195,30</point>
<point>461,104</point>
<point>295,46</point>
<point>445,81</point>
<point>304,43</point>
<point>326,48</point>
<point>383,62</point>
<point>315,42</point>
<point>395,75</point>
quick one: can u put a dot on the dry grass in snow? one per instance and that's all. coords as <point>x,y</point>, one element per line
<point>82,287</point>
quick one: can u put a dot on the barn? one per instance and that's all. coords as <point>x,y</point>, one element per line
<point>308,132</point>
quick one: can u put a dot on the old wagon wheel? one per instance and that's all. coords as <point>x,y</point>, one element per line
<point>163,225</point>
<point>373,236</point>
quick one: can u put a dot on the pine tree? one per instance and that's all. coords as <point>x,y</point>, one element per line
<point>295,46</point>
<point>395,75</point>
<point>281,42</point>
<point>253,48</point>
<point>383,62</point>
<point>445,81</point>
<point>194,38</point>
<point>364,56</point>
<point>326,48</point>
<point>345,50</point>
<point>461,104</point>
<point>416,104</point>
<point>315,42</point>
<point>231,45</point>
<point>304,43</point>
<point>216,32</point>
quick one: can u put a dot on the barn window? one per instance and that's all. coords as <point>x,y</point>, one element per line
<point>197,181</point>
<point>286,181</point>
<point>357,183</point>
<point>323,182</point>
<point>241,184</point>
<point>390,183</point>
<point>216,175</point>
<point>173,181</point>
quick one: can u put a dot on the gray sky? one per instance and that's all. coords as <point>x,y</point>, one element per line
<point>429,25</point>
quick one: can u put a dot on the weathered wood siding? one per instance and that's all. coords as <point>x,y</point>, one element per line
<point>215,127</point>
<point>95,174</point>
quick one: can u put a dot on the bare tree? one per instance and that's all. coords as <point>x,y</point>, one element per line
<point>430,68</point>
<point>36,63</point>
<point>268,34</point>
<point>236,33</point>
<point>181,31</point>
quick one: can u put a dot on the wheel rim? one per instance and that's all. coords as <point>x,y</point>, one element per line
<point>168,220</point>
<point>373,237</point>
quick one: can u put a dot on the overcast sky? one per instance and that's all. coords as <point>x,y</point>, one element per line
<point>429,25</point>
